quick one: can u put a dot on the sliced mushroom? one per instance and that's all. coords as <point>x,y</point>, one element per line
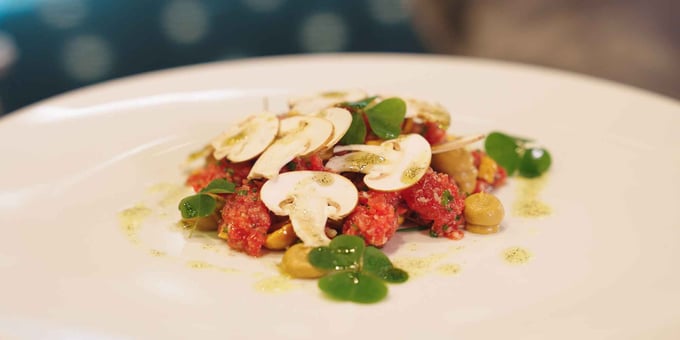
<point>393,165</point>
<point>247,139</point>
<point>309,198</point>
<point>311,105</point>
<point>341,120</point>
<point>298,136</point>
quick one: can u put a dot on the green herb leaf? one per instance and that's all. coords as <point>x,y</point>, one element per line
<point>513,153</point>
<point>356,133</point>
<point>353,286</point>
<point>535,162</point>
<point>361,104</point>
<point>377,263</point>
<point>344,252</point>
<point>357,271</point>
<point>386,117</point>
<point>395,275</point>
<point>219,186</point>
<point>446,198</point>
<point>199,205</point>
<point>504,150</point>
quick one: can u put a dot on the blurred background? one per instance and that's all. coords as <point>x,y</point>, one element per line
<point>52,46</point>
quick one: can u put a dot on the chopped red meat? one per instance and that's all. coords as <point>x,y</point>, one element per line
<point>233,172</point>
<point>245,219</point>
<point>436,198</point>
<point>375,218</point>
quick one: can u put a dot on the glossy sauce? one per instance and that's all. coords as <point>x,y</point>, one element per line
<point>412,174</point>
<point>362,161</point>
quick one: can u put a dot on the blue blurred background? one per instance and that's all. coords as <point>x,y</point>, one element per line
<point>51,46</point>
<point>58,45</point>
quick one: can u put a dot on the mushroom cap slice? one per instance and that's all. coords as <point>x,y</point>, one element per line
<point>311,105</point>
<point>247,139</point>
<point>431,112</point>
<point>298,136</point>
<point>309,198</point>
<point>341,120</point>
<point>394,165</point>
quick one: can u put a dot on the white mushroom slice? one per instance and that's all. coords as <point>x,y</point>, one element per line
<point>247,139</point>
<point>311,105</point>
<point>341,120</point>
<point>393,165</point>
<point>298,136</point>
<point>309,198</point>
<point>431,112</point>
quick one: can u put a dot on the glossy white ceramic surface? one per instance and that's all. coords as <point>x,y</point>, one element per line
<point>604,263</point>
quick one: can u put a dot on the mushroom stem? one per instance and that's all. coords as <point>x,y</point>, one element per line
<point>308,214</point>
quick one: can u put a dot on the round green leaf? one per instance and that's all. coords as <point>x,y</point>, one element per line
<point>348,250</point>
<point>323,258</point>
<point>344,252</point>
<point>199,205</point>
<point>375,261</point>
<point>219,186</point>
<point>348,243</point>
<point>394,275</point>
<point>356,133</point>
<point>378,264</point>
<point>386,117</point>
<point>353,286</point>
<point>504,150</point>
<point>535,162</point>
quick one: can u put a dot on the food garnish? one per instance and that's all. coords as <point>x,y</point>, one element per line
<point>298,136</point>
<point>310,198</point>
<point>355,272</point>
<point>516,153</point>
<point>393,165</point>
<point>332,179</point>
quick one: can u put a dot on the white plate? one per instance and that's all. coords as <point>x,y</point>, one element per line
<point>604,264</point>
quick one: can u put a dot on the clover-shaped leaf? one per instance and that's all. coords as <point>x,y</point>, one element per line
<point>357,272</point>
<point>353,286</point>
<point>344,252</point>
<point>203,204</point>
<point>386,117</point>
<point>378,264</point>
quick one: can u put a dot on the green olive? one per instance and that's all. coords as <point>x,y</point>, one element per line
<point>459,164</point>
<point>296,264</point>
<point>483,209</point>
